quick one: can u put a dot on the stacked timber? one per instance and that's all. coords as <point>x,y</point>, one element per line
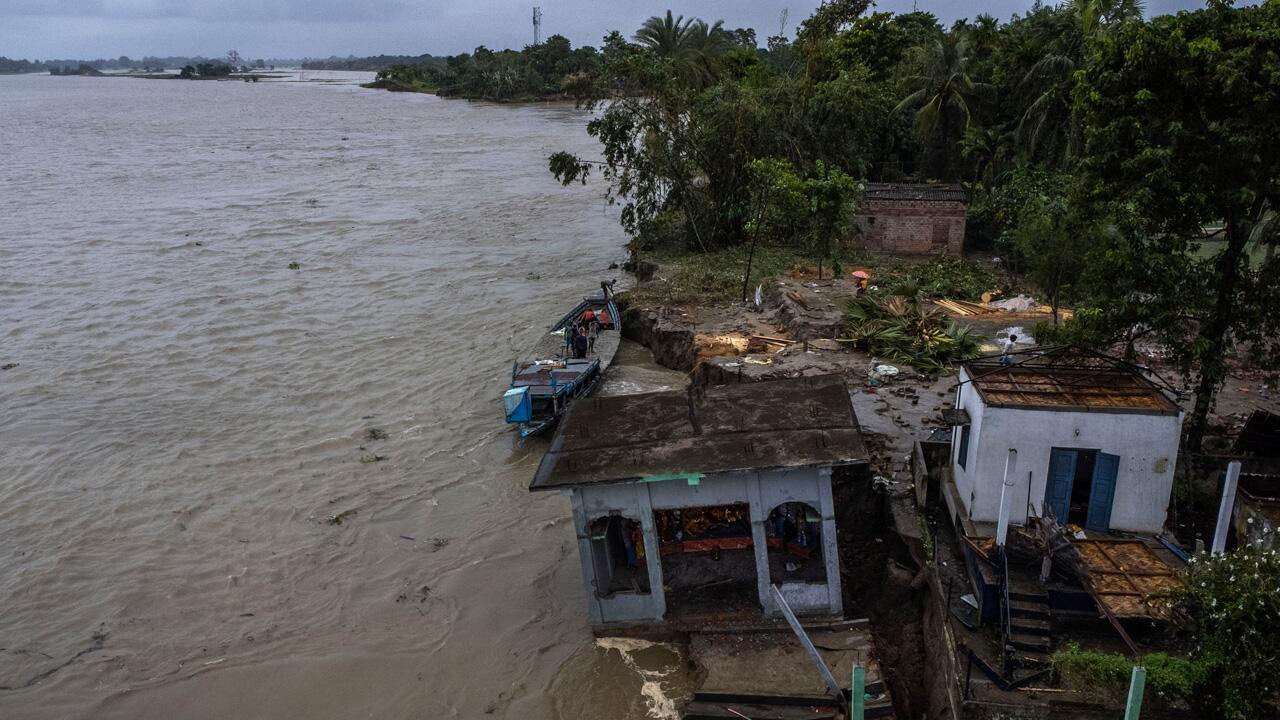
<point>963,308</point>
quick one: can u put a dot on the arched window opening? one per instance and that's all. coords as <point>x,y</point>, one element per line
<point>794,536</point>
<point>708,559</point>
<point>617,551</point>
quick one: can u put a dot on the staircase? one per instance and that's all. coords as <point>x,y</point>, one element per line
<point>1029,621</point>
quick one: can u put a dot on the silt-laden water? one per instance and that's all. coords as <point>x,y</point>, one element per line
<point>188,414</point>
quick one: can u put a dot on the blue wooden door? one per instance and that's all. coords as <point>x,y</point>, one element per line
<point>1103,492</point>
<point>1062,470</point>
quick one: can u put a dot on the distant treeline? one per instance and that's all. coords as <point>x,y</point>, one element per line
<point>124,62</point>
<point>548,70</point>
<point>537,72</point>
<point>368,64</point>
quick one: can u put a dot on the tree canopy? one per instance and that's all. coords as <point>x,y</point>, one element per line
<point>1124,164</point>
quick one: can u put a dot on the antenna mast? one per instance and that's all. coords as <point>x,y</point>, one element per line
<point>537,25</point>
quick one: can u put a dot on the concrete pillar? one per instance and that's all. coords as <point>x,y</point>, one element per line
<point>1225,508</point>
<point>830,546</point>
<point>1006,496</point>
<point>580,521</point>
<point>759,543</point>
<point>652,552</point>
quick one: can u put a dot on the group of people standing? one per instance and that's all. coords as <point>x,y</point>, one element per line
<point>580,337</point>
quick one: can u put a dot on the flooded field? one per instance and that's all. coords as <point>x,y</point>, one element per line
<point>253,463</point>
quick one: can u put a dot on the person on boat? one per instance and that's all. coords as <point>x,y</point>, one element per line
<point>570,332</point>
<point>593,329</point>
<point>581,344</point>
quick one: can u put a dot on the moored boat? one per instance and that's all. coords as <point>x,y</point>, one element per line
<point>557,371</point>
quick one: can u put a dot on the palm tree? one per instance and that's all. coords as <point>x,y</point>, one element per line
<point>1051,77</point>
<point>664,35</point>
<point>943,92</point>
<point>692,46</point>
<point>983,146</point>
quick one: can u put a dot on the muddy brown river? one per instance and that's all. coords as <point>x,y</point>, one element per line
<point>233,314</point>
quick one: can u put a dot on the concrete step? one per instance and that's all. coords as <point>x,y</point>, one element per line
<point>1029,625</point>
<point>1025,609</point>
<point>1030,643</point>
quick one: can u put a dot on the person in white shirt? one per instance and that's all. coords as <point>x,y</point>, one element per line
<point>1006,354</point>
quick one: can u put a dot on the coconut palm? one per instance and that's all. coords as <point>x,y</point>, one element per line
<point>943,93</point>
<point>1040,129</point>
<point>691,46</point>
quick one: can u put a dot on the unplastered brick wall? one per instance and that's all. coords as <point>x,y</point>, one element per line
<point>913,227</point>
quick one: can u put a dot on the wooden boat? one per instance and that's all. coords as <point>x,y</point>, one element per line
<point>548,379</point>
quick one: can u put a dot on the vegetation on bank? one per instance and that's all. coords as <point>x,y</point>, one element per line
<point>538,72</point>
<point>373,63</point>
<point>1095,146</point>
<point>81,69</point>
<point>150,63</point>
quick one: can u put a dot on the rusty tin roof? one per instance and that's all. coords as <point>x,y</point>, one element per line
<point>790,423</point>
<point>1114,390</point>
<point>913,191</point>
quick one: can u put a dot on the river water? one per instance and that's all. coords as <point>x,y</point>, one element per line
<point>188,414</point>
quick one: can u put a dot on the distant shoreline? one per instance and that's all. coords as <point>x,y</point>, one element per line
<point>396,86</point>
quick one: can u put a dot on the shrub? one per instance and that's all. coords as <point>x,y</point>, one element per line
<point>1168,676</point>
<point>949,276</point>
<point>1232,603</point>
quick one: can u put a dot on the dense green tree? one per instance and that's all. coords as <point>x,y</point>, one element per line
<point>1181,115</point>
<point>1057,245</point>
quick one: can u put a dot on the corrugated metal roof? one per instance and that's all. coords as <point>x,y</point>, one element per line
<point>795,422</point>
<point>1127,577</point>
<point>1059,388</point>
<point>913,191</point>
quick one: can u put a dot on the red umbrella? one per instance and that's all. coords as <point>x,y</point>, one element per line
<point>861,274</point>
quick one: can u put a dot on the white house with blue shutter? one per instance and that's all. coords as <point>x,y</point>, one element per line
<point>1096,441</point>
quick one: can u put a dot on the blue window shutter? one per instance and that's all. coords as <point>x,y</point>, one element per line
<point>1062,471</point>
<point>1104,491</point>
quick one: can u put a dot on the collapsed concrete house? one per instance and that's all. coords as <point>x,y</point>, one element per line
<point>912,218</point>
<point>1096,445</point>
<point>1077,451</point>
<point>694,503</point>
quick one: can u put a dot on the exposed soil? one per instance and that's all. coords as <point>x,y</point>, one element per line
<point>792,334</point>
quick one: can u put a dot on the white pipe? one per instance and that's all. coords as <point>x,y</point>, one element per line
<point>1006,496</point>
<point>1224,510</point>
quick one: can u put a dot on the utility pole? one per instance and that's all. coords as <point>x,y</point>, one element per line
<point>537,25</point>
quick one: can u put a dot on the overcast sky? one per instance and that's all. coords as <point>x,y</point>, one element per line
<point>86,29</point>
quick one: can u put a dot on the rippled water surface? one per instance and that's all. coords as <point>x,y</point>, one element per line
<point>188,414</point>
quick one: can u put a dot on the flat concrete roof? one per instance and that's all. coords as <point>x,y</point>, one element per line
<point>776,424</point>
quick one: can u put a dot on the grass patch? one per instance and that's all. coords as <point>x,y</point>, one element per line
<point>1169,676</point>
<point>689,277</point>
<point>946,276</point>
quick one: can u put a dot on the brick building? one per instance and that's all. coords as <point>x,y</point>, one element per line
<point>912,218</point>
